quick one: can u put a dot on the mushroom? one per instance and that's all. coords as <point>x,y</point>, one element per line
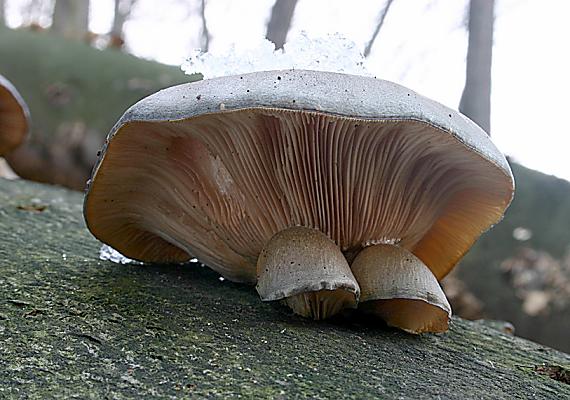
<point>14,123</point>
<point>272,177</point>
<point>307,270</point>
<point>401,289</point>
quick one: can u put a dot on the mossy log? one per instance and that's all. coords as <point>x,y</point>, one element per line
<point>72,325</point>
<point>75,94</point>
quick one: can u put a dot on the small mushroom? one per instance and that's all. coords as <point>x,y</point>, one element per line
<point>398,287</point>
<point>14,123</point>
<point>297,169</point>
<point>307,270</point>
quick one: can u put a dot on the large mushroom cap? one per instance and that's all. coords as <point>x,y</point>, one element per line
<point>216,168</point>
<point>14,117</point>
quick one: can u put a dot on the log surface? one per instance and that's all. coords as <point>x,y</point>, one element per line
<point>72,325</point>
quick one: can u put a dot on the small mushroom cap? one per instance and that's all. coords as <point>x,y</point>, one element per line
<point>299,260</point>
<point>399,288</point>
<point>215,168</point>
<point>387,271</point>
<point>14,117</point>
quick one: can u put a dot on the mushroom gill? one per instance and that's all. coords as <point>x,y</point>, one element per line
<point>13,124</point>
<point>220,185</point>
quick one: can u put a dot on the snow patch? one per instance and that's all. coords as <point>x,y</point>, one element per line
<point>332,53</point>
<point>107,253</point>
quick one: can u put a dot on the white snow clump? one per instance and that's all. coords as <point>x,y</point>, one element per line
<point>333,53</point>
<point>107,253</point>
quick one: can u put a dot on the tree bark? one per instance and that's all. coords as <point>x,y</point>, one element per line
<point>476,98</point>
<point>71,18</point>
<point>280,21</point>
<point>73,325</point>
<point>378,27</point>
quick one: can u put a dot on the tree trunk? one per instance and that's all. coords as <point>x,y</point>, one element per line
<point>122,11</point>
<point>205,36</point>
<point>73,325</point>
<point>280,21</point>
<point>2,13</point>
<point>378,27</point>
<point>71,18</point>
<point>119,19</point>
<point>476,98</point>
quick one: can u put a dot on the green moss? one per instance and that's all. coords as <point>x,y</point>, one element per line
<point>96,85</point>
<point>75,93</point>
<point>73,325</point>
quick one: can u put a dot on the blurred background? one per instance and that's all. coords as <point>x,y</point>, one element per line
<point>79,64</point>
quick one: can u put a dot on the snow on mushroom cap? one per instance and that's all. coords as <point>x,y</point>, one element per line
<point>215,168</point>
<point>14,117</point>
<point>333,53</point>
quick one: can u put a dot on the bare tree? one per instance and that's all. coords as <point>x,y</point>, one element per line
<point>381,19</point>
<point>280,21</point>
<point>205,39</point>
<point>476,98</point>
<point>71,18</point>
<point>122,12</point>
<point>2,18</point>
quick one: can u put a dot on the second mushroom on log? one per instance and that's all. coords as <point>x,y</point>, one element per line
<point>328,191</point>
<point>14,124</point>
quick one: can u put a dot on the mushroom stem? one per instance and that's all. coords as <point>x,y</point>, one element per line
<point>307,271</point>
<point>399,288</point>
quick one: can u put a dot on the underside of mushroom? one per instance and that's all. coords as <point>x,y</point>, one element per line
<point>13,118</point>
<point>308,272</point>
<point>219,186</point>
<point>399,288</point>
